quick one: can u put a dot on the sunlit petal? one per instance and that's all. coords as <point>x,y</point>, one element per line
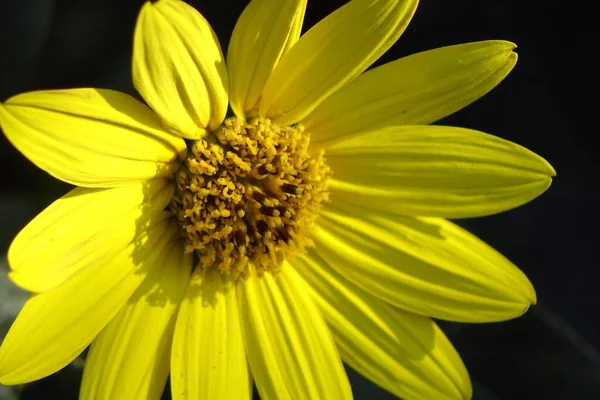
<point>130,358</point>
<point>435,171</point>
<point>263,33</point>
<point>209,359</point>
<point>428,266</point>
<point>331,54</point>
<point>289,347</point>
<point>54,327</point>
<point>404,353</point>
<point>178,67</point>
<point>84,228</point>
<point>91,137</point>
<point>414,90</point>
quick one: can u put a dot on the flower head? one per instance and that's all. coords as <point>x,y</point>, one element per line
<point>267,244</point>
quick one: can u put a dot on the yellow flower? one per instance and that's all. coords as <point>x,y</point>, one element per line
<point>304,229</point>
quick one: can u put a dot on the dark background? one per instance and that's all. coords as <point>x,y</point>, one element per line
<point>552,352</point>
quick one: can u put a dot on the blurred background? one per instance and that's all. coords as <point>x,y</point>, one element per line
<point>551,352</point>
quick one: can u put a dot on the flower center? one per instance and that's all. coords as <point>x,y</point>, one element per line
<point>248,194</point>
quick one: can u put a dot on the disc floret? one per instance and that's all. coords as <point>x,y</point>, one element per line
<point>248,194</point>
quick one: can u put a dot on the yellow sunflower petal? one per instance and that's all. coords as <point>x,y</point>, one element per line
<point>331,54</point>
<point>289,347</point>
<point>436,171</point>
<point>209,360</point>
<point>178,67</point>
<point>414,90</point>
<point>54,327</point>
<point>264,32</point>
<point>82,229</point>
<point>404,353</point>
<point>90,137</point>
<point>428,266</point>
<point>130,358</point>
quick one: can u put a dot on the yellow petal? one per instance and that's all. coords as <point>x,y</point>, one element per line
<point>263,33</point>
<point>90,137</point>
<point>178,67</point>
<point>289,347</point>
<point>436,171</point>
<point>54,327</point>
<point>209,360</point>
<point>428,266</point>
<point>130,358</point>
<point>404,353</point>
<point>331,54</point>
<point>414,90</point>
<point>82,229</point>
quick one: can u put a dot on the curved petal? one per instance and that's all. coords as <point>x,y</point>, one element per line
<point>331,54</point>
<point>428,266</point>
<point>209,359</point>
<point>404,353</point>
<point>263,33</point>
<point>289,347</point>
<point>414,90</point>
<point>178,67</point>
<point>435,171</point>
<point>91,137</point>
<point>54,327</point>
<point>130,358</point>
<point>84,228</point>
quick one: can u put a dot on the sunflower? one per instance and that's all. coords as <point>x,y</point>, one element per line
<point>266,245</point>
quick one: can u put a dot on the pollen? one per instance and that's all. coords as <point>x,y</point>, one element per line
<point>248,194</point>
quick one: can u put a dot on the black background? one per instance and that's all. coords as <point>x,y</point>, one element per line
<point>546,104</point>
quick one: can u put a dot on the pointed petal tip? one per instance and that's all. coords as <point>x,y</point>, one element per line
<point>550,174</point>
<point>463,388</point>
<point>543,166</point>
<point>547,179</point>
<point>545,176</point>
<point>517,306</point>
<point>531,295</point>
<point>541,186</point>
<point>549,169</point>
<point>548,182</point>
<point>466,392</point>
<point>519,301</point>
<point>511,59</point>
<point>522,297</point>
<point>519,312</point>
<point>502,46</point>
<point>526,298</point>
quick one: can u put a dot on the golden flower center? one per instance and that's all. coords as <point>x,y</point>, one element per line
<point>248,194</point>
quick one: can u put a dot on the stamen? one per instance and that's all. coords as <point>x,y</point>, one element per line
<point>248,195</point>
